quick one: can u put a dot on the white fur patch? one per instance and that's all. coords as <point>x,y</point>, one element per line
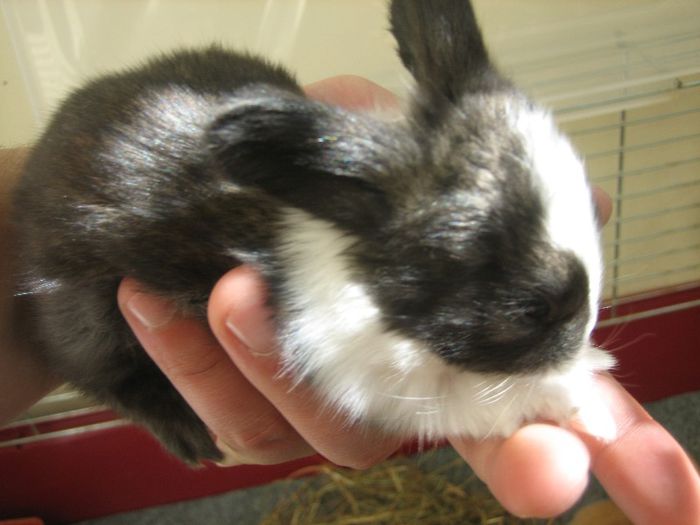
<point>338,338</point>
<point>560,179</point>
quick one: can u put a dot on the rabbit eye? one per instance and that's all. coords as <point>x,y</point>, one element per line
<point>539,309</point>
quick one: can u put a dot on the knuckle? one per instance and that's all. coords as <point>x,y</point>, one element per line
<point>261,437</point>
<point>267,442</point>
<point>183,367</point>
<point>194,368</point>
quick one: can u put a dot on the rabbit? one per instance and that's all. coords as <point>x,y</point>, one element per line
<point>430,276</point>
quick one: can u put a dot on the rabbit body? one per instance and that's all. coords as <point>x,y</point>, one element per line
<point>431,276</point>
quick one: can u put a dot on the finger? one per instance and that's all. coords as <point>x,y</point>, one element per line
<point>540,471</point>
<point>241,322</point>
<point>353,92</point>
<point>247,426</point>
<point>644,470</point>
<point>604,205</point>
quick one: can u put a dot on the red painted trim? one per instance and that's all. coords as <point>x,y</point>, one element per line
<point>658,356</point>
<point>98,473</point>
<point>103,472</point>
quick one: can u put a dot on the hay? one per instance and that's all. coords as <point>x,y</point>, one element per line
<point>396,492</point>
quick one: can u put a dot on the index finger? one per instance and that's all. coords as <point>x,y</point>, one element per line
<point>539,471</point>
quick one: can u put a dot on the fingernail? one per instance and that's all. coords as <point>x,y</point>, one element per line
<point>151,312</point>
<point>238,333</point>
<point>250,344</point>
<point>253,329</point>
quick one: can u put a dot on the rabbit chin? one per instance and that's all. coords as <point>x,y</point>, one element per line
<point>335,337</point>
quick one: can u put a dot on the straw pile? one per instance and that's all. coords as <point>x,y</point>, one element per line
<point>396,492</point>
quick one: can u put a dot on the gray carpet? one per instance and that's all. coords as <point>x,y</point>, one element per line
<point>680,415</point>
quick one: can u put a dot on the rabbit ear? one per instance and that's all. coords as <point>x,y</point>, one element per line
<point>260,133</point>
<point>440,43</point>
<point>266,133</point>
<point>305,153</point>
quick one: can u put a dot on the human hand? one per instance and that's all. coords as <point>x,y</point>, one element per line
<point>232,380</point>
<point>23,379</point>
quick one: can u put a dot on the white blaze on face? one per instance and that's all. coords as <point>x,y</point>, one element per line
<point>559,177</point>
<point>336,335</point>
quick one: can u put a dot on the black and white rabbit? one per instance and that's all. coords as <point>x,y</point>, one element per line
<point>431,276</point>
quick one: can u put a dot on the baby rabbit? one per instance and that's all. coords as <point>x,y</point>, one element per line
<point>431,276</point>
